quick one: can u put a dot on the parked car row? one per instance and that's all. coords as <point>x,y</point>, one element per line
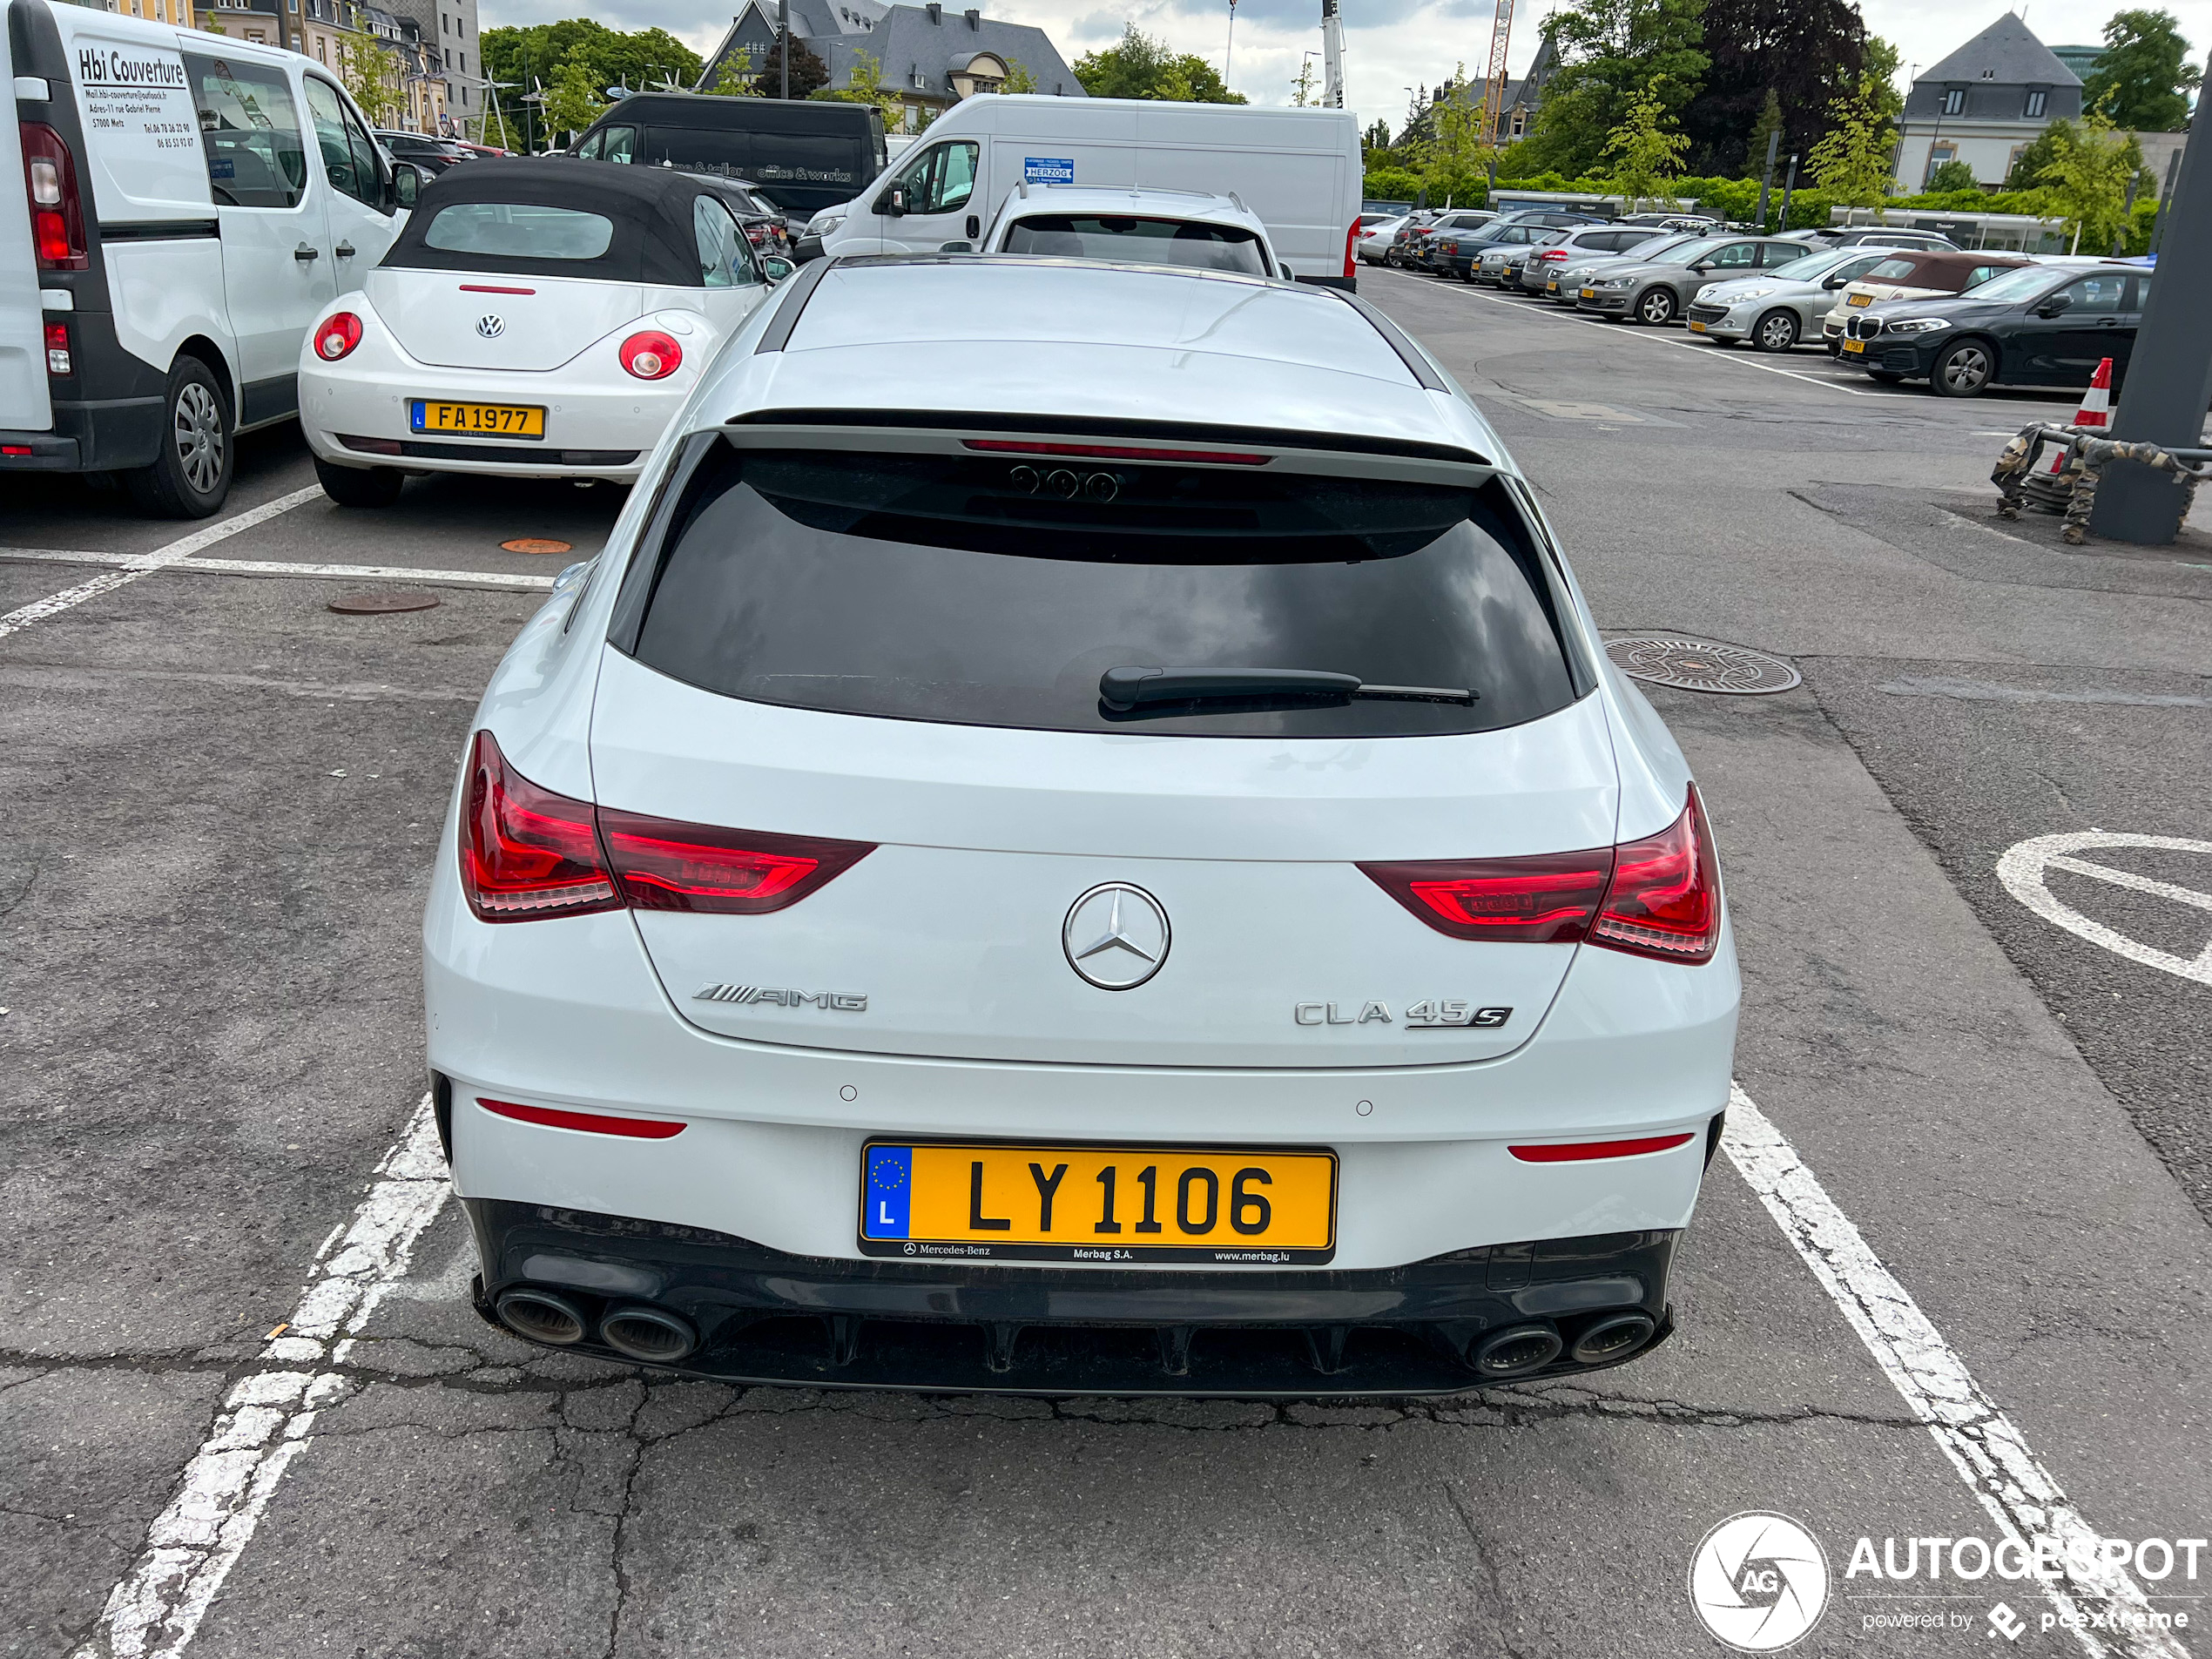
<point>1902,305</point>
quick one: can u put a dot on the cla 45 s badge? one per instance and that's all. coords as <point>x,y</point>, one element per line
<point>1428,1014</point>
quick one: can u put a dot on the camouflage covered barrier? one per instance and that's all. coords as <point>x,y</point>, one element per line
<point>2074,487</point>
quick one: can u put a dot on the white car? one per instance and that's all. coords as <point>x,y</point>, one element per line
<point>1124,868</point>
<point>537,318</point>
<point>1776,309</point>
<point>1372,243</point>
<point>1181,227</point>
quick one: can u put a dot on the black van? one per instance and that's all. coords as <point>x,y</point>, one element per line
<point>804,155</point>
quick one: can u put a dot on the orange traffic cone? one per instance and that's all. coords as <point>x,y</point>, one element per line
<point>2095,413</point>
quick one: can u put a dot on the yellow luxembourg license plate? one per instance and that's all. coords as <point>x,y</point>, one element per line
<point>1097,1204</point>
<point>1855,347</point>
<point>1589,294</point>
<point>477,420</point>
<point>1860,300</point>
<point>1697,328</point>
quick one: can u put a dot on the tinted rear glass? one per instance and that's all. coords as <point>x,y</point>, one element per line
<point>1148,241</point>
<point>995,591</point>
<point>520,231</point>
<point>792,169</point>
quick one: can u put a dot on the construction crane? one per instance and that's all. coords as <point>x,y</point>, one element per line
<point>1333,56</point>
<point>1494,85</point>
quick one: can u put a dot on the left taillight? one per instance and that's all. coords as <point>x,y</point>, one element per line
<point>56,213</point>
<point>526,854</point>
<point>59,361</point>
<point>651,355</point>
<point>1351,250</point>
<point>337,335</point>
<point>1657,897</point>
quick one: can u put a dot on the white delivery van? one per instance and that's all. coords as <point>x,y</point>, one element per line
<point>1298,169</point>
<point>192,206</point>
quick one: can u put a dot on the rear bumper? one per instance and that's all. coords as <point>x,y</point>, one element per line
<point>766,1316</point>
<point>37,452</point>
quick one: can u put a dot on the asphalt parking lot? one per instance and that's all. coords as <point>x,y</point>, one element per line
<point>246,1405</point>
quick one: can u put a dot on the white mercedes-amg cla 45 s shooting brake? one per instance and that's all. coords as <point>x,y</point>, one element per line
<point>1079,837</point>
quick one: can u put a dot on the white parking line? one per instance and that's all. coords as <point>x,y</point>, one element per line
<point>278,567</point>
<point>156,1609</point>
<point>1990,1454</point>
<point>144,563</point>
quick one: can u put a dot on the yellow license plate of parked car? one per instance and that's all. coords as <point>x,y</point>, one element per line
<point>1855,347</point>
<point>1589,294</point>
<point>1552,287</point>
<point>930,1200</point>
<point>1860,300</point>
<point>1697,327</point>
<point>477,420</point>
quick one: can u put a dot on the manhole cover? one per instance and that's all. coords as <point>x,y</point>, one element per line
<point>379,605</point>
<point>536,544</point>
<point>1700,665</point>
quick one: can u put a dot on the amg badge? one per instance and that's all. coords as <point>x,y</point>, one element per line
<point>842,1002</point>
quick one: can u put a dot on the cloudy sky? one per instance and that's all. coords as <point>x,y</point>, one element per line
<point>1389,44</point>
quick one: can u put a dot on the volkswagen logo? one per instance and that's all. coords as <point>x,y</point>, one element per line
<point>1115,936</point>
<point>491,328</point>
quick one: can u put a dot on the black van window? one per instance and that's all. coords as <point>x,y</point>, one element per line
<point>996,589</point>
<point>249,128</point>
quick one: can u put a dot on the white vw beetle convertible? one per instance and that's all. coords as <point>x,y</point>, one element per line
<point>538,319</point>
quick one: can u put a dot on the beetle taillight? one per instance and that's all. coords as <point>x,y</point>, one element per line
<point>337,335</point>
<point>651,355</point>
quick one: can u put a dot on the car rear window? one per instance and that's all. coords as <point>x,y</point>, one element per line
<point>996,589</point>
<point>520,231</point>
<point>1149,241</point>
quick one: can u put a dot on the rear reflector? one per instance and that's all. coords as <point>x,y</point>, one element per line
<point>1115,452</point>
<point>663,865</point>
<point>1656,897</point>
<point>637,1129</point>
<point>480,287</point>
<point>526,854</point>
<point>1580,1151</point>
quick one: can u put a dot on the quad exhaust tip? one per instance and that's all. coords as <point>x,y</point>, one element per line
<point>1613,1338</point>
<point>1516,1351</point>
<point>648,1334</point>
<point>542,1316</point>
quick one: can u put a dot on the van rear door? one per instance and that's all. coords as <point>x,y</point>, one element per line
<point>23,352</point>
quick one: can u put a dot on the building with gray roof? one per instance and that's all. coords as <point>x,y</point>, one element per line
<point>1983,104</point>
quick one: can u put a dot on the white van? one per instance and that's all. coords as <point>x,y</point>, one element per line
<point>1298,169</point>
<point>192,205</point>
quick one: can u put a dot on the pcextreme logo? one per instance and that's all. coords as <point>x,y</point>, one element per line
<point>1759,1582</point>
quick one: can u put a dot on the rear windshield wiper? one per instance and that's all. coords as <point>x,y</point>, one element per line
<point>1124,689</point>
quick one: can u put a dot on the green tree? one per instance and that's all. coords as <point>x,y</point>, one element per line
<point>2027,167</point>
<point>1138,66</point>
<point>736,79</point>
<point>1881,64</point>
<point>1611,50</point>
<point>808,73</point>
<point>572,99</point>
<point>1852,162</point>
<point>369,70</point>
<point>1302,91</point>
<point>2087,183</point>
<point>865,85</point>
<point>1953,176</point>
<point>1646,148</point>
<point>2143,78</point>
<point>529,57</point>
<point>1769,122</point>
<point>1019,78</point>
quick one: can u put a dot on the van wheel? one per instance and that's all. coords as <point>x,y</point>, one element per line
<point>360,486</point>
<point>190,475</point>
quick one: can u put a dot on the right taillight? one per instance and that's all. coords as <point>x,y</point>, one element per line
<point>1665,900</point>
<point>1656,897</point>
<point>526,854</point>
<point>338,334</point>
<point>57,215</point>
<point>650,355</point>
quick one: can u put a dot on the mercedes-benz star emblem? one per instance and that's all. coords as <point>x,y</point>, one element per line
<point>1115,936</point>
<point>491,328</point>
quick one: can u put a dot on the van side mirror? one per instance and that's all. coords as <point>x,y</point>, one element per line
<point>407,187</point>
<point>894,201</point>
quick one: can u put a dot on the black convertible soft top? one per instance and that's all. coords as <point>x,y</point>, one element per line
<point>654,240</point>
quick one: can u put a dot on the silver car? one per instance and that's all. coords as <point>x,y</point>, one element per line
<point>1577,248</point>
<point>1658,289</point>
<point>1566,286</point>
<point>1775,309</point>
